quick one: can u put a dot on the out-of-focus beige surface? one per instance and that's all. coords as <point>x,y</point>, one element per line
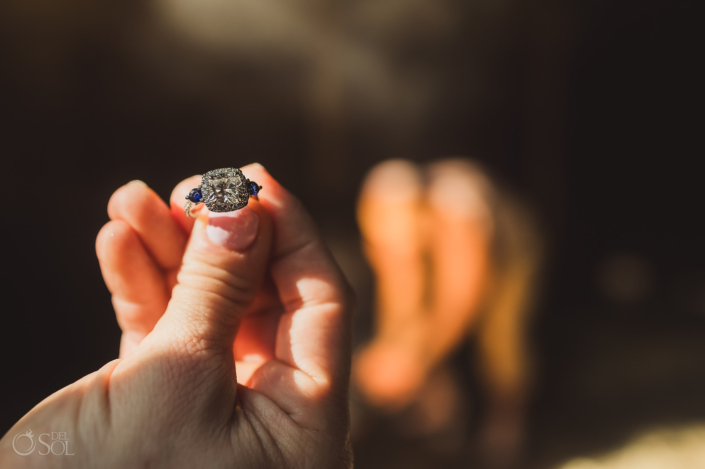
<point>664,448</point>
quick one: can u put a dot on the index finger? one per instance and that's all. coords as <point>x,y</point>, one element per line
<point>314,331</point>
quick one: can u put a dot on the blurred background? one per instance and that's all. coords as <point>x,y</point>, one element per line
<point>583,114</point>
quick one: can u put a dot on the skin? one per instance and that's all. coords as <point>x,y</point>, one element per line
<point>423,312</point>
<point>229,358</point>
<point>453,255</point>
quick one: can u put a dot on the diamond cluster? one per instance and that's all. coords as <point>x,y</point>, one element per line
<point>224,190</point>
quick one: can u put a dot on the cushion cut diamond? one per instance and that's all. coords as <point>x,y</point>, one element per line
<point>224,190</point>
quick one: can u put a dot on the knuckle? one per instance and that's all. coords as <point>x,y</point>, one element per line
<point>128,200</point>
<point>111,237</point>
<point>234,288</point>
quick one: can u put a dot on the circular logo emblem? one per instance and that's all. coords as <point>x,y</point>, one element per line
<point>27,434</point>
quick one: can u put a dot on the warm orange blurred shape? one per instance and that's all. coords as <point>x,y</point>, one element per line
<point>666,448</point>
<point>452,255</point>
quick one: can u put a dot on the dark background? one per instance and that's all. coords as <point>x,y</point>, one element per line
<point>587,109</point>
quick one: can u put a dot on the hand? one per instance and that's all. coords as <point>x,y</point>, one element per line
<point>235,348</point>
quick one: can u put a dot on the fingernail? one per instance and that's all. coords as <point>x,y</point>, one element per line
<point>137,182</point>
<point>234,230</point>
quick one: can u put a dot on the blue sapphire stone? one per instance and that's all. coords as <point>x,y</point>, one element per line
<point>253,188</point>
<point>195,195</point>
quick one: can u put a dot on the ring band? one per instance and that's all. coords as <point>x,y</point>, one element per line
<point>222,190</point>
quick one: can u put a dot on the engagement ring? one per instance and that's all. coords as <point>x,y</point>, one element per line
<point>222,190</point>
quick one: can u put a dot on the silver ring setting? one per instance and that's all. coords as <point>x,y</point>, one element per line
<point>222,190</point>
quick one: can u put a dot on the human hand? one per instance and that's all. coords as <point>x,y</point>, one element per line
<point>235,348</point>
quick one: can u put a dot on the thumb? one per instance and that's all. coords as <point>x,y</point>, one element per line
<point>223,267</point>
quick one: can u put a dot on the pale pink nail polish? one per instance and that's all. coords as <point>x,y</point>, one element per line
<point>234,230</point>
